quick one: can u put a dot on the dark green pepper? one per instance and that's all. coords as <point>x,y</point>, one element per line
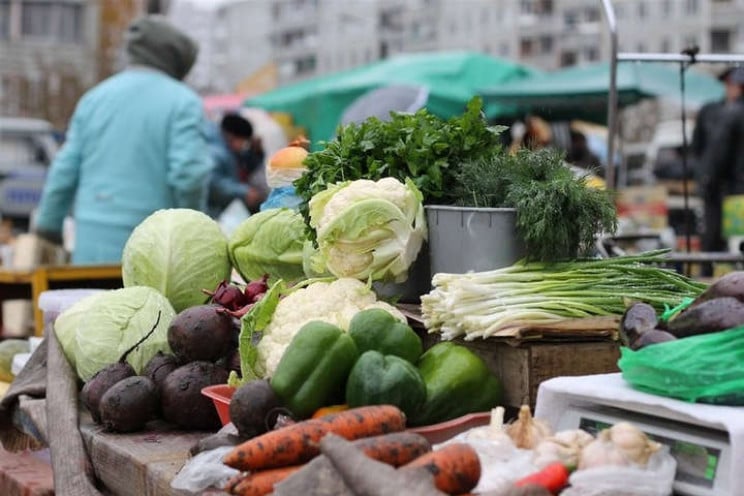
<point>314,367</point>
<point>378,379</point>
<point>376,329</point>
<point>457,382</point>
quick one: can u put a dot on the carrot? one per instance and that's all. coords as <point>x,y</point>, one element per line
<point>320,412</point>
<point>396,449</point>
<point>262,482</point>
<point>456,467</point>
<point>553,477</point>
<point>298,443</point>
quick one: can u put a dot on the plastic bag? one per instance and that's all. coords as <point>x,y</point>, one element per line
<point>706,369</point>
<point>282,197</point>
<point>655,479</point>
<point>502,463</point>
<point>233,215</point>
<point>203,471</point>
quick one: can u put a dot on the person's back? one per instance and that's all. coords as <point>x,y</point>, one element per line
<point>135,146</point>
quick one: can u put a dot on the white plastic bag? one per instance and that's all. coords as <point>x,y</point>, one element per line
<point>203,471</point>
<point>233,215</point>
<point>655,480</point>
<point>502,463</point>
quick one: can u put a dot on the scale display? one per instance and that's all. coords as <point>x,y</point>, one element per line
<point>696,464</point>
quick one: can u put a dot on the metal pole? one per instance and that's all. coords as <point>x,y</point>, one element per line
<point>714,58</point>
<point>612,97</point>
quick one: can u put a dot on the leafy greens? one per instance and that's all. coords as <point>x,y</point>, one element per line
<point>419,146</point>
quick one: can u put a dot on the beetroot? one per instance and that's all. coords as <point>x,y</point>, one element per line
<point>102,381</point>
<point>129,404</point>
<point>201,333</point>
<point>181,400</point>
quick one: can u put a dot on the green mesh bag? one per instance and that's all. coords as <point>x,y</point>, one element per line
<point>705,369</point>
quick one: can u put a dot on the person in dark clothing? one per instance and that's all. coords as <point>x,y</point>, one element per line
<point>238,165</point>
<point>716,151</point>
<point>579,153</point>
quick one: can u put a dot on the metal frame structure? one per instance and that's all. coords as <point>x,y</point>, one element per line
<point>688,57</point>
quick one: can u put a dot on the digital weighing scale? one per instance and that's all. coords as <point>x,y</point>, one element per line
<point>706,441</point>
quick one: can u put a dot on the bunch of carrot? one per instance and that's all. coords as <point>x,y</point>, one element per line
<point>377,431</point>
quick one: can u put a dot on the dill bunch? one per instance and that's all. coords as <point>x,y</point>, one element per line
<point>558,214</point>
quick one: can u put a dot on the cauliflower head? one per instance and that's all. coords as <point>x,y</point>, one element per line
<point>369,229</point>
<point>334,302</point>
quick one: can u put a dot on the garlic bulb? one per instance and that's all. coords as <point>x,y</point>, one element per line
<point>633,442</point>
<point>494,431</point>
<point>622,444</point>
<point>564,447</point>
<point>527,432</point>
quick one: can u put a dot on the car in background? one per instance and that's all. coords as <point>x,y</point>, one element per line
<point>27,148</point>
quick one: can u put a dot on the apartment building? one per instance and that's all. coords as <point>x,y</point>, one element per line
<point>51,51</point>
<point>545,33</point>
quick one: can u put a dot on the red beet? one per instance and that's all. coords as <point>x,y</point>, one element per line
<point>202,332</point>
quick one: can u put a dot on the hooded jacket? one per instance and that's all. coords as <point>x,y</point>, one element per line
<point>134,145</point>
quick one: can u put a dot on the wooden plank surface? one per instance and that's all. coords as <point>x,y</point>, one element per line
<point>138,464</point>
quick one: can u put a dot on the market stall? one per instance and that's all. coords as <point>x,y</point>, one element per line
<point>371,343</point>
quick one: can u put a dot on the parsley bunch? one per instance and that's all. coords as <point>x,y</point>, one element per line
<point>420,146</point>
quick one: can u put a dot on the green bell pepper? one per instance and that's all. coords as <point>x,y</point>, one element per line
<point>376,329</point>
<point>457,382</point>
<point>314,367</point>
<point>378,379</point>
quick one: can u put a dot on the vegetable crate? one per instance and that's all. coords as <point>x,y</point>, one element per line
<point>523,367</point>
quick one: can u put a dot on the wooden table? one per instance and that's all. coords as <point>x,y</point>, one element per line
<point>30,283</point>
<point>138,464</point>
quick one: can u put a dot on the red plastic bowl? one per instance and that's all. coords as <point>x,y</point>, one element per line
<point>220,395</point>
<point>435,433</point>
<point>438,433</point>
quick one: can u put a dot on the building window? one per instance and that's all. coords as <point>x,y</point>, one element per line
<point>526,47</point>
<point>591,14</point>
<point>691,7</point>
<point>666,45</point>
<point>571,19</point>
<point>720,41</point>
<point>305,65</point>
<point>591,53</point>
<point>546,44</point>
<point>666,7</point>
<point>4,19</point>
<point>642,10</point>
<point>568,59</point>
<point>641,47</point>
<point>52,21</point>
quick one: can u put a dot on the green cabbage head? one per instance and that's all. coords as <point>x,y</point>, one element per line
<point>98,329</point>
<point>369,229</point>
<point>179,252</point>
<point>269,242</point>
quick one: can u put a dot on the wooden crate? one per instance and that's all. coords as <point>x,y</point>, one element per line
<point>522,368</point>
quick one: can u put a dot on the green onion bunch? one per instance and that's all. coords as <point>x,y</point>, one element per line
<point>480,304</point>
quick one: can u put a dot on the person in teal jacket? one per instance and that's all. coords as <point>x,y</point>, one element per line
<point>135,145</point>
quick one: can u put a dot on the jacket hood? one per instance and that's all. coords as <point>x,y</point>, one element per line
<point>154,42</point>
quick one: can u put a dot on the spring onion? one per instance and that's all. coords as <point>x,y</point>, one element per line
<point>480,304</point>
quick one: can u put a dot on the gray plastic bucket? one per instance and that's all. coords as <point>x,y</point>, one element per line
<point>463,239</point>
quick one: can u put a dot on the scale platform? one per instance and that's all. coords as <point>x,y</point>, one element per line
<point>706,440</point>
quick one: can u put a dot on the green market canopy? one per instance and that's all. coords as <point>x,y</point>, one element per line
<point>581,92</point>
<point>451,78</point>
